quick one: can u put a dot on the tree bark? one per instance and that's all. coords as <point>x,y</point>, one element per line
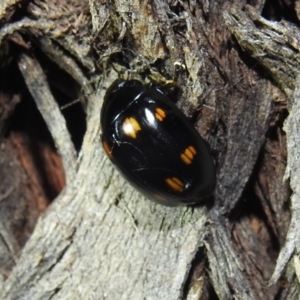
<point>99,238</point>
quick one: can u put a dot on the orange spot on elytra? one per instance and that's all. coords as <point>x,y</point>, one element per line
<point>160,114</point>
<point>188,155</point>
<point>175,184</point>
<point>130,127</point>
<point>107,150</point>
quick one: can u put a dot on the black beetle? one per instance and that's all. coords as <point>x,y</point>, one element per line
<point>154,145</point>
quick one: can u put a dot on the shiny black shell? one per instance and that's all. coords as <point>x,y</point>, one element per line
<point>154,146</point>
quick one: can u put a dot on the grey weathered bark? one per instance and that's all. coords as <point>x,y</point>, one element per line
<point>100,239</point>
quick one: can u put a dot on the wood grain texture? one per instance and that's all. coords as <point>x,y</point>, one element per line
<point>100,239</point>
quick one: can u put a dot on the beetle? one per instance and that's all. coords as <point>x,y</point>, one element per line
<point>154,145</point>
